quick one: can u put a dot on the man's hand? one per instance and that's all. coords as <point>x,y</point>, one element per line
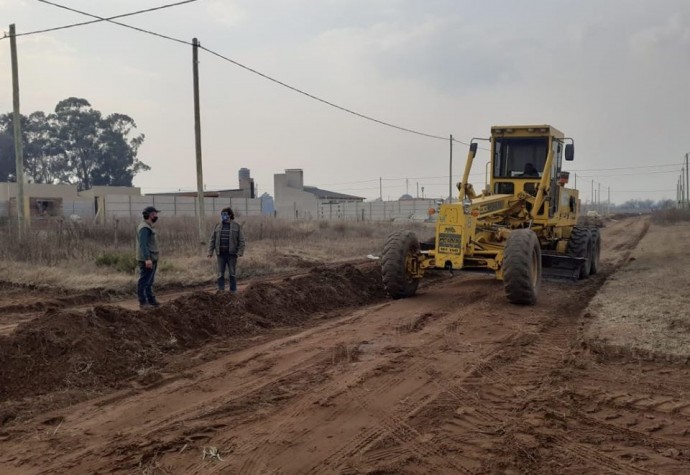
<point>149,264</point>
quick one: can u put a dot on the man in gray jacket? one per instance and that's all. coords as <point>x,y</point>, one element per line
<point>147,258</point>
<point>227,242</point>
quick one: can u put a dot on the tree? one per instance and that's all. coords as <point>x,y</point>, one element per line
<point>76,144</point>
<point>6,156</point>
<point>97,150</point>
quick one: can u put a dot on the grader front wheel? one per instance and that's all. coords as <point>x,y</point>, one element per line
<point>401,247</point>
<point>522,267</point>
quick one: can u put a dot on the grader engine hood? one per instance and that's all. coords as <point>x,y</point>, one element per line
<point>456,222</point>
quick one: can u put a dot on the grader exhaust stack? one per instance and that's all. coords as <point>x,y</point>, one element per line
<point>525,220</point>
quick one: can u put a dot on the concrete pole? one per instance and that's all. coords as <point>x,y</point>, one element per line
<point>599,199</point>
<point>197,135</point>
<point>592,200</point>
<point>608,202</point>
<point>381,188</point>
<point>687,180</point>
<point>17,124</point>
<point>450,172</point>
<point>682,188</point>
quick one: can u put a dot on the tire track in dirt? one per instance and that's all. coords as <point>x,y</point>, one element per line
<point>454,380</point>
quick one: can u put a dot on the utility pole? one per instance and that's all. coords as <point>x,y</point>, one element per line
<point>197,135</point>
<point>381,189</point>
<point>17,124</point>
<point>687,180</point>
<point>450,172</point>
<point>576,181</point>
<point>599,199</point>
<point>682,187</point>
<point>417,189</point>
<point>592,195</point>
<point>608,202</point>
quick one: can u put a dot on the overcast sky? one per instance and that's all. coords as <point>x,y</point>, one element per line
<point>612,74</point>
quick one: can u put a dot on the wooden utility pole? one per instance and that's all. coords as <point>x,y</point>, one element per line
<point>450,172</point>
<point>17,123</point>
<point>201,212</point>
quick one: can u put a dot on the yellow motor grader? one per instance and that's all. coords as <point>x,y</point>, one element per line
<point>524,220</point>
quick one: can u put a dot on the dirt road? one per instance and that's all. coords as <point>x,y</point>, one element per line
<point>454,380</point>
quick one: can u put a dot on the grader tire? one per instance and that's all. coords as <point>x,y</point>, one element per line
<point>399,245</point>
<point>522,267</point>
<point>580,245</point>
<point>596,251</point>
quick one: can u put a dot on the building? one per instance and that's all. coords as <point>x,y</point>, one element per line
<point>294,200</point>
<point>247,189</point>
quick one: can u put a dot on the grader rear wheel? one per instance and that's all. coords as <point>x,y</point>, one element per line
<point>522,267</point>
<point>400,248</point>
<point>596,251</point>
<point>580,245</point>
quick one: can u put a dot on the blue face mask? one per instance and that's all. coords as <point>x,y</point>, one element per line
<point>224,217</point>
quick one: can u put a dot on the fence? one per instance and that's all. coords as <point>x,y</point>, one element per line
<point>415,210</point>
<point>130,207</point>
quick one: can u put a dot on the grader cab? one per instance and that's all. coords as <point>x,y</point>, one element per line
<point>525,220</point>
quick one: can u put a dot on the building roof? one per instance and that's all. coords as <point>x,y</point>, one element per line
<point>330,195</point>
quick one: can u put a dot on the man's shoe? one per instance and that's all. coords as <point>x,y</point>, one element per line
<point>144,305</point>
<point>155,303</point>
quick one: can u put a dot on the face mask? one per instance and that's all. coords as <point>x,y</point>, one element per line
<point>154,219</point>
<point>224,217</point>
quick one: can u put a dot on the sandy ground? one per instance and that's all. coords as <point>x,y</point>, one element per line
<point>644,309</point>
<point>454,380</point>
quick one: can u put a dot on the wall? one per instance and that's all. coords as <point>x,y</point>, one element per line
<point>292,202</point>
<point>130,207</point>
<point>415,210</point>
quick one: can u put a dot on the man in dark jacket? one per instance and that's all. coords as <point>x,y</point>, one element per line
<point>227,242</point>
<point>147,258</point>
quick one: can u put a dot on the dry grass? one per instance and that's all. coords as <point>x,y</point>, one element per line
<point>88,257</point>
<point>670,216</point>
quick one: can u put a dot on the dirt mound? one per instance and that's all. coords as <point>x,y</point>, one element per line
<point>107,345</point>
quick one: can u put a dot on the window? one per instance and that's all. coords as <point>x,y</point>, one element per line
<point>519,157</point>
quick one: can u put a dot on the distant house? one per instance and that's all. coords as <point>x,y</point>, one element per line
<point>247,189</point>
<point>294,200</point>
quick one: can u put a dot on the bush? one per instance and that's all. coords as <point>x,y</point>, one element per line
<point>119,261</point>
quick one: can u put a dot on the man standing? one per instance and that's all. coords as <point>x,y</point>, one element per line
<point>147,258</point>
<point>227,242</point>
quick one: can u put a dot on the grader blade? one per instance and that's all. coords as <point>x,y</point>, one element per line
<point>561,267</point>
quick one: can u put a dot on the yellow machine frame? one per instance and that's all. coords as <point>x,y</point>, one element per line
<point>472,233</point>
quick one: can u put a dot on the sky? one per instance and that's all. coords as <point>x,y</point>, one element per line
<point>611,74</point>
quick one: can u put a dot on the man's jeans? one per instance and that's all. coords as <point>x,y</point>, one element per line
<point>229,261</point>
<point>145,284</point>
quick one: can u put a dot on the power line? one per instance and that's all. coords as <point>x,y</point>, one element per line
<point>627,168</point>
<point>64,27</point>
<point>344,109</point>
<point>628,174</point>
<point>141,30</point>
<point>265,76</point>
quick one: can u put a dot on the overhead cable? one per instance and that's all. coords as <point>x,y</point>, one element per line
<point>252,70</point>
<point>73,25</point>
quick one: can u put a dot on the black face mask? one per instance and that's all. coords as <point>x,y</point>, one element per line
<point>154,219</point>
